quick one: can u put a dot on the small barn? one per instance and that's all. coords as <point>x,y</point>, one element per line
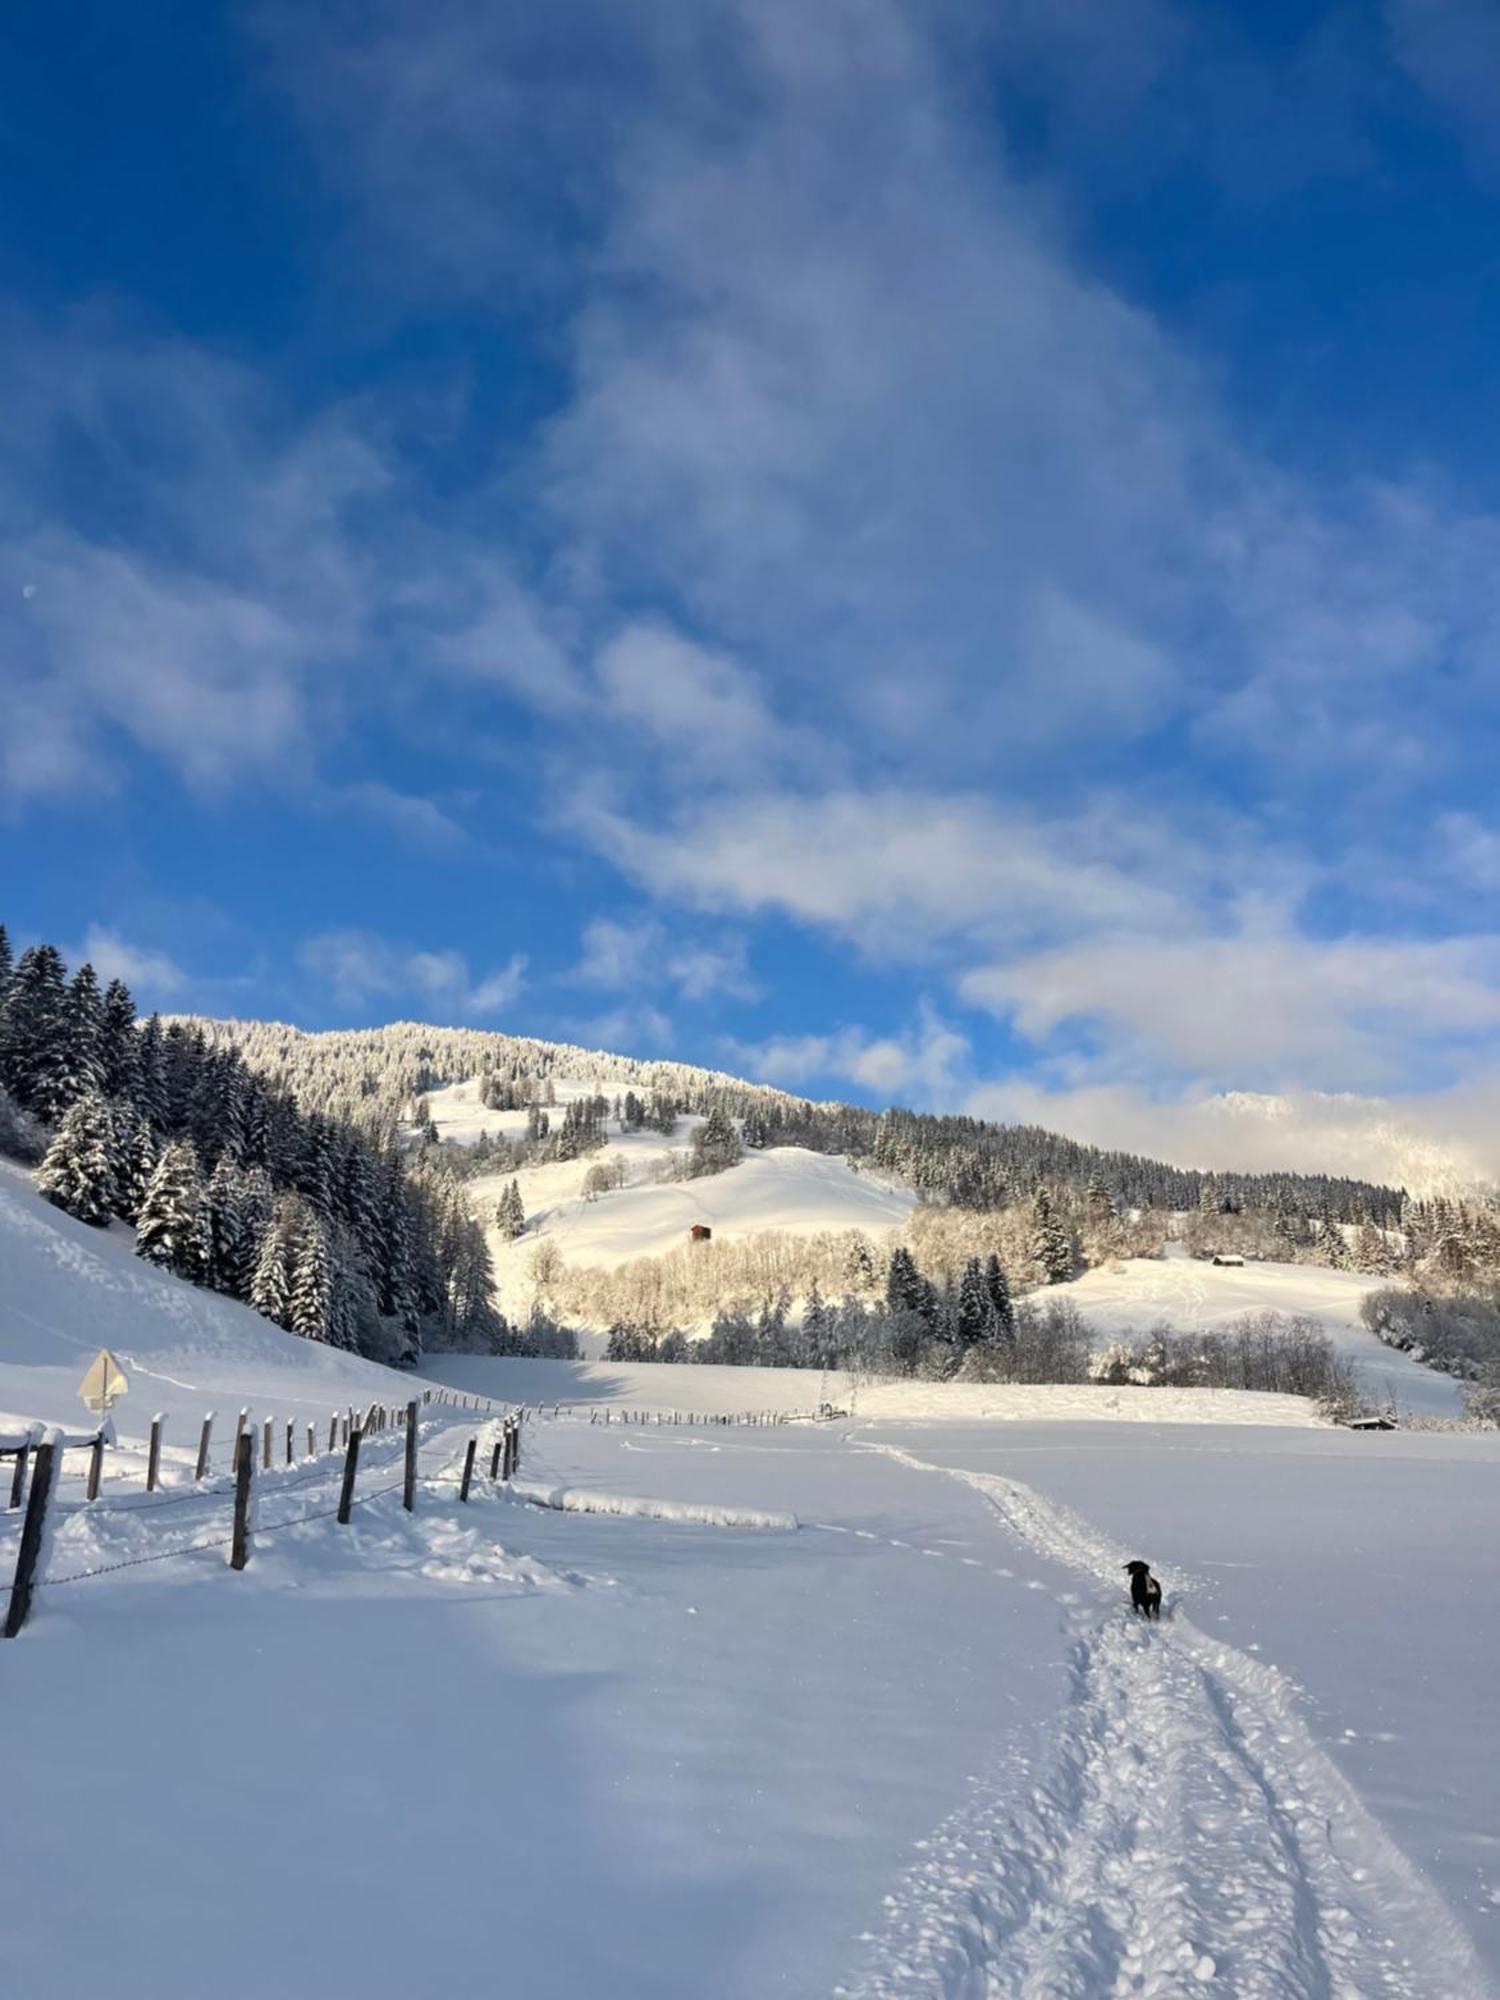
<point>1229,1260</point>
<point>700,1233</point>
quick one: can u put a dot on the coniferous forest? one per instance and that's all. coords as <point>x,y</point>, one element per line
<point>321,1226</point>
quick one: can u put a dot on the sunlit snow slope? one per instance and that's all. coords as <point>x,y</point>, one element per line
<point>66,1290</point>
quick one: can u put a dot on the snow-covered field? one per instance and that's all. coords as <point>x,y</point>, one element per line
<point>1133,1296</point>
<point>914,1745</point>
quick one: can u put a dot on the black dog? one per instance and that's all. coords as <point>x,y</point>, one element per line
<point>1145,1591</point>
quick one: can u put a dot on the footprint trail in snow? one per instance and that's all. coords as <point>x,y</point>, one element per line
<point>1184,1835</point>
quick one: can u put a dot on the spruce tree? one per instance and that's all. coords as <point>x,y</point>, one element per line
<point>7,964</point>
<point>973,1313</point>
<point>137,1152</point>
<point>1051,1247</point>
<point>79,1171</point>
<point>82,1033</point>
<point>172,1226</point>
<point>226,1226</point>
<point>510,1214</point>
<point>311,1304</point>
<point>257,1207</point>
<point>997,1290</point>
<point>119,1051</point>
<point>151,1084</point>
<point>33,1058</point>
<point>275,1262</point>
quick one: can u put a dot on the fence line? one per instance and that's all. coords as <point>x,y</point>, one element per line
<point>45,1453</point>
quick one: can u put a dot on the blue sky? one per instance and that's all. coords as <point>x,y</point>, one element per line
<point>937,553</point>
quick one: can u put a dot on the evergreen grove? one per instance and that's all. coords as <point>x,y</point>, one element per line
<point>322,1227</point>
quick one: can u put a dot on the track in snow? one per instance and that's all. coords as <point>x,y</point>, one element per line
<point>1187,1836</point>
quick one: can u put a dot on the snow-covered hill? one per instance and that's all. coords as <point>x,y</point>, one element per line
<point>785,1188</point>
<point>67,1289</point>
<point>1128,1299</point>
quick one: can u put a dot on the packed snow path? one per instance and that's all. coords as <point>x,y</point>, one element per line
<point>1187,1834</point>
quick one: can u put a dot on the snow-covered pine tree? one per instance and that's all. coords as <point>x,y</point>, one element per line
<point>7,964</point>
<point>151,1086</point>
<point>172,1226</point>
<point>275,1262</point>
<point>33,1062</point>
<point>1051,1247</point>
<point>510,1213</point>
<point>1002,1308</point>
<point>257,1206</point>
<point>716,1145</point>
<point>226,1226</point>
<point>136,1152</point>
<point>82,1033</point>
<point>312,1278</point>
<point>972,1312</point>
<point>119,1044</point>
<point>80,1170</point>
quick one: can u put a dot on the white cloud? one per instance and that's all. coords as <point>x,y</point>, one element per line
<point>894,870</point>
<point>923,1065</point>
<point>1438,1142</point>
<point>358,966</point>
<point>643,952</point>
<point>419,820</point>
<point>149,974</point>
<point>1262,1006</point>
<point>699,703</point>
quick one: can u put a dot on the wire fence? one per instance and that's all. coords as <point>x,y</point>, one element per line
<point>250,1500</point>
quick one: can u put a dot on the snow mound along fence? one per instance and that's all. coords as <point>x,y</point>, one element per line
<point>113,1525</point>
<point>581,1500</point>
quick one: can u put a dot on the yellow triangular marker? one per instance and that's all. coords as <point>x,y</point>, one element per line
<point>104,1381</point>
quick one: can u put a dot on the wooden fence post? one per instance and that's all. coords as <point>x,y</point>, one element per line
<point>291,1449</point>
<point>495,1456</point>
<point>96,1465</point>
<point>244,1472</point>
<point>351,1466</point>
<point>312,1440</point>
<point>409,1489</point>
<point>265,1445</point>
<point>201,1469</point>
<point>153,1452</point>
<point>333,1431</point>
<point>32,1535</point>
<point>18,1477</point>
<point>463,1490</point>
<point>239,1430</point>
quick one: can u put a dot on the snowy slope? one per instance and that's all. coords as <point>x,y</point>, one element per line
<point>67,1290</point>
<point>785,1188</point>
<point>1131,1297</point>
